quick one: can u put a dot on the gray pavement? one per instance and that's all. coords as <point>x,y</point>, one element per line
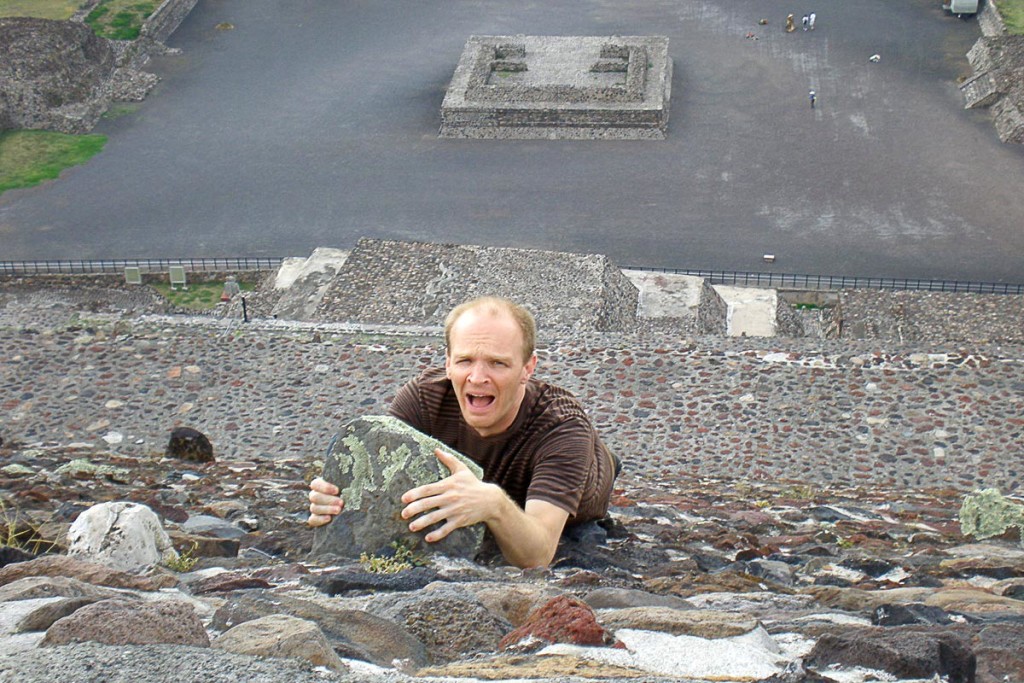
<point>313,124</point>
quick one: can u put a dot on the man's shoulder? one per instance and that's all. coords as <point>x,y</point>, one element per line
<point>432,377</point>
<point>552,399</point>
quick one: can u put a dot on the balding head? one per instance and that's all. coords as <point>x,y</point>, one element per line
<point>496,306</point>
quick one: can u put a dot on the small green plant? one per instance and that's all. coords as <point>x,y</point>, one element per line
<point>845,543</point>
<point>403,558</point>
<point>185,561</point>
<point>18,534</point>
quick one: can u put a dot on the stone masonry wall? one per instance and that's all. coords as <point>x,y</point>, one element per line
<point>712,311</point>
<point>166,19</point>
<point>997,59</point>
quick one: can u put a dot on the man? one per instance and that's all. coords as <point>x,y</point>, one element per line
<point>544,465</point>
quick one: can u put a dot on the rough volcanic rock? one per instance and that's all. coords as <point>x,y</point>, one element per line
<point>447,618</point>
<point>126,622</point>
<point>89,572</point>
<point>51,74</point>
<point>279,635</point>
<point>905,652</point>
<point>374,460</point>
<point>564,619</point>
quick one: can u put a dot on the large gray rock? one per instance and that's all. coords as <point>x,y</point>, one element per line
<point>374,460</point>
<point>447,618</point>
<point>130,622</point>
<point>907,652</point>
<point>354,634</point>
<point>280,635</point>
<point>126,536</point>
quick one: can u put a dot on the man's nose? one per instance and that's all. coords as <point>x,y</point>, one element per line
<point>478,373</point>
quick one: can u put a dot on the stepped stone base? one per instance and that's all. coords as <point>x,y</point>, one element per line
<point>560,87</point>
<point>409,283</point>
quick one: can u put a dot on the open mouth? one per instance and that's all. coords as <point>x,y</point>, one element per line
<point>479,401</point>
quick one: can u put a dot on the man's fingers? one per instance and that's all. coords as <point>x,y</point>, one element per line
<point>323,486</point>
<point>425,491</point>
<point>318,520</point>
<point>438,534</point>
<point>450,461</point>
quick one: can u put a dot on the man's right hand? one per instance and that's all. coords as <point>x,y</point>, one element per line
<point>324,502</point>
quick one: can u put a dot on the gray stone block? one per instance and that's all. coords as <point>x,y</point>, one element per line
<point>374,460</point>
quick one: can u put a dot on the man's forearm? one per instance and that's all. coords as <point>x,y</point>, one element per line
<point>527,538</point>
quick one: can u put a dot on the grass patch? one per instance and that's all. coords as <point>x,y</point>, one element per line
<point>40,9</point>
<point>28,157</point>
<point>1013,15</point>
<point>200,296</point>
<point>120,19</point>
<point>120,109</point>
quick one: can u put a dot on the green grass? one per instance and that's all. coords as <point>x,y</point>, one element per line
<point>120,19</point>
<point>41,9</point>
<point>200,296</point>
<point>1013,15</point>
<point>28,157</point>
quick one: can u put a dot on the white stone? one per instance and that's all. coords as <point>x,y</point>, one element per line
<point>113,438</point>
<point>120,535</point>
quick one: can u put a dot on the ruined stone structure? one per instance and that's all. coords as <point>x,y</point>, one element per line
<point>60,76</point>
<point>998,81</point>
<point>51,73</point>
<point>384,281</point>
<point>560,87</point>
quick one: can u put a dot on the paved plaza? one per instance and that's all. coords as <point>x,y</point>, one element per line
<point>314,124</point>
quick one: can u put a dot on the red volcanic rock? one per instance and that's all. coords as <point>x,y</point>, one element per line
<point>560,620</point>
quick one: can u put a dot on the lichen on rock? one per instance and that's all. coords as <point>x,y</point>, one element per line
<point>985,514</point>
<point>373,460</point>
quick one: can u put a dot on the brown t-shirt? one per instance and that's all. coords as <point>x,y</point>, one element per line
<point>551,452</point>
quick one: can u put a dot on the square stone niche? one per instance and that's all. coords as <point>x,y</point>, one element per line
<point>560,87</point>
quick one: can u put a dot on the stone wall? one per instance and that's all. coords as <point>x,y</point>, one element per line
<point>990,20</point>
<point>712,312</point>
<point>998,81</point>
<point>931,316</point>
<point>166,19</point>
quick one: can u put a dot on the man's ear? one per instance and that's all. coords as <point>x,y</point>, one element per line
<point>528,369</point>
<point>447,365</point>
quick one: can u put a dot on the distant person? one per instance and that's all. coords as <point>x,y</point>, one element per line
<point>813,97</point>
<point>806,20</point>
<point>545,468</point>
<point>810,20</point>
<point>789,24</point>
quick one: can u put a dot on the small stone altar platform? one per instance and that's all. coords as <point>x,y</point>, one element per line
<point>560,87</point>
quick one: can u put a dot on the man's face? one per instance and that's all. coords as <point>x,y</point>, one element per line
<point>486,367</point>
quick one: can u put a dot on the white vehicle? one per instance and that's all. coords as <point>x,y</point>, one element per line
<point>962,7</point>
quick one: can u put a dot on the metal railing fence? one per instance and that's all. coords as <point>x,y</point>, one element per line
<point>117,266</point>
<point>718,277</point>
<point>835,282</point>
